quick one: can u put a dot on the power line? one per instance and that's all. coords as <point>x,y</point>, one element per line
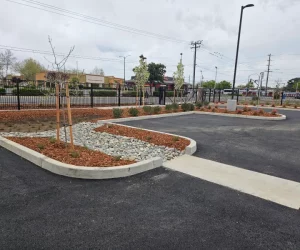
<point>94,20</point>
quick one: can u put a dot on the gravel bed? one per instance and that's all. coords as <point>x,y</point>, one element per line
<point>115,145</point>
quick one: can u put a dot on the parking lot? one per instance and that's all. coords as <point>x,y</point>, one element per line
<point>159,209</point>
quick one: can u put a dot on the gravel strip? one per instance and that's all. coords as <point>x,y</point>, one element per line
<point>115,145</point>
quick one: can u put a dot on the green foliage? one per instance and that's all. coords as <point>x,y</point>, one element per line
<point>209,84</point>
<point>117,158</point>
<point>274,112</point>
<point>187,107</point>
<point>117,113</point>
<point>29,68</point>
<point>254,98</point>
<point>223,85</point>
<point>292,84</point>
<point>249,85</point>
<point>74,80</point>
<point>141,73</point>
<point>179,76</point>
<point>74,154</point>
<point>148,138</point>
<point>129,94</point>
<point>30,92</point>
<point>156,110</point>
<point>133,112</point>
<point>199,105</point>
<point>205,103</point>
<point>105,93</point>
<point>40,146</point>
<point>148,110</point>
<point>2,91</point>
<point>175,106</point>
<point>157,71</point>
<point>52,140</point>
<point>168,108</point>
<point>175,138</point>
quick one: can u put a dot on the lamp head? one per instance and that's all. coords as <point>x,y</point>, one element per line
<point>248,6</point>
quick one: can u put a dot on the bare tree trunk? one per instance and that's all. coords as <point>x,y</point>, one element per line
<point>69,116</point>
<point>174,95</point>
<point>137,96</point>
<point>57,112</point>
<point>143,95</point>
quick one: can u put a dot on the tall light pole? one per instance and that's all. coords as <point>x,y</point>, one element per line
<point>238,45</point>
<point>124,66</point>
<point>216,76</point>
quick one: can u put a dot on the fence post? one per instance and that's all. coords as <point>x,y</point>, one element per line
<point>237,95</point>
<point>219,95</point>
<point>214,96</point>
<point>92,96</point>
<point>209,95</point>
<point>18,95</point>
<point>119,95</point>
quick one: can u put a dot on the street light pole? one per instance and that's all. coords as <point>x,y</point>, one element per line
<point>124,57</point>
<point>216,76</point>
<point>238,46</point>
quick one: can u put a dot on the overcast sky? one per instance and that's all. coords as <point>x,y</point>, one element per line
<point>271,27</point>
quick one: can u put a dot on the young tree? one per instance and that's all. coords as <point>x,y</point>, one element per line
<point>7,59</point>
<point>29,68</point>
<point>209,84</point>
<point>98,71</point>
<point>141,77</point>
<point>178,77</point>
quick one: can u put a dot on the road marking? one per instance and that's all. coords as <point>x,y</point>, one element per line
<point>281,191</point>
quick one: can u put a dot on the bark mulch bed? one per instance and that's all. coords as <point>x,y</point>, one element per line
<point>148,136</point>
<point>241,111</point>
<point>80,156</point>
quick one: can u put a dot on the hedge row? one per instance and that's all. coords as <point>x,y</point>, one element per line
<point>105,93</point>
<point>169,94</point>
<point>2,91</point>
<point>30,92</point>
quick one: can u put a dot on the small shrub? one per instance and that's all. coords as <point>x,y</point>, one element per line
<point>205,103</point>
<point>74,154</point>
<point>117,113</point>
<point>255,113</point>
<point>273,105</point>
<point>284,105</point>
<point>254,98</point>
<point>156,110</point>
<point>225,110</point>
<point>168,108</point>
<point>175,106</point>
<point>296,106</point>
<point>267,103</point>
<point>216,106</point>
<point>254,104</point>
<point>239,111</point>
<point>198,105</point>
<point>175,138</point>
<point>133,112</point>
<point>245,109</point>
<point>208,107</point>
<point>262,105</point>
<point>52,140</point>
<point>261,111</point>
<point>287,103</point>
<point>249,109</point>
<point>148,138</point>
<point>213,110</point>
<point>41,146</point>
<point>117,158</point>
<point>185,107</point>
<point>274,112</point>
<point>202,109</point>
<point>148,110</point>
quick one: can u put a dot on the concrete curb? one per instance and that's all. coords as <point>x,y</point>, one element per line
<point>77,171</point>
<point>189,150</point>
<point>278,118</point>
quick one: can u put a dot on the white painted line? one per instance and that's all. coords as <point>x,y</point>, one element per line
<point>281,191</point>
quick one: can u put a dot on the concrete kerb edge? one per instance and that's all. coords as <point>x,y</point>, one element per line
<point>189,150</point>
<point>69,170</point>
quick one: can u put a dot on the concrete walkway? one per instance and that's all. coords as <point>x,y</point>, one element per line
<point>264,186</point>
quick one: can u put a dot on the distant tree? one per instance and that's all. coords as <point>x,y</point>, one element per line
<point>292,84</point>
<point>157,72</point>
<point>223,85</point>
<point>249,85</point>
<point>97,71</point>
<point>7,60</point>
<point>209,84</point>
<point>29,68</point>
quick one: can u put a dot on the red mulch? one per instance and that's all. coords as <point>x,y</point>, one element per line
<point>58,151</point>
<point>148,136</point>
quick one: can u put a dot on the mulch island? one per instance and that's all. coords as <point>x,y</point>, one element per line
<point>80,156</point>
<point>148,136</point>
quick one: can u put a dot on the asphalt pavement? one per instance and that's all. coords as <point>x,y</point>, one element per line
<point>159,209</point>
<point>269,147</point>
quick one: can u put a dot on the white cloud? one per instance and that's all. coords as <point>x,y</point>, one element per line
<point>269,27</point>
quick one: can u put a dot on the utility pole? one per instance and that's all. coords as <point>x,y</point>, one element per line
<point>216,76</point>
<point>269,62</point>
<point>195,45</point>
<point>124,57</point>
